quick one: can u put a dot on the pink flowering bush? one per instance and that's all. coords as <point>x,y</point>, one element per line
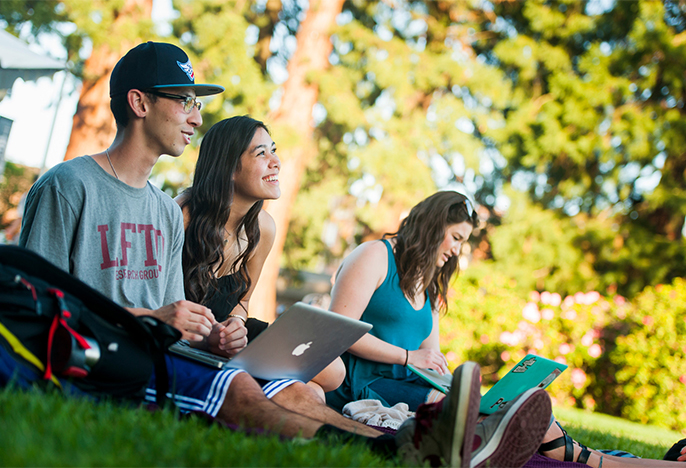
<point>488,322</point>
<point>625,358</point>
<point>480,324</point>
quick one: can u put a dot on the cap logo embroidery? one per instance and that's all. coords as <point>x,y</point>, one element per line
<point>187,69</point>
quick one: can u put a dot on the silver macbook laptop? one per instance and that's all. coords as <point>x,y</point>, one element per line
<point>298,345</point>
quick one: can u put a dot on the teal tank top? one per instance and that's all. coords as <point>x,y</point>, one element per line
<point>396,322</point>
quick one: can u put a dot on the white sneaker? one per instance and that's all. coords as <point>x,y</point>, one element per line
<point>442,433</point>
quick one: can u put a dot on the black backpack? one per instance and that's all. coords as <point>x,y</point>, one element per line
<point>56,326</point>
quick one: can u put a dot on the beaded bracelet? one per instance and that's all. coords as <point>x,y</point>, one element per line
<point>238,316</point>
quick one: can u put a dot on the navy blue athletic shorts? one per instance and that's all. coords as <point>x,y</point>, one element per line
<point>196,387</point>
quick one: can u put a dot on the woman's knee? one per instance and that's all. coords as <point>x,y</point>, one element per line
<point>332,376</point>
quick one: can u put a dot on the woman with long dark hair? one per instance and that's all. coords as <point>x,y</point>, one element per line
<point>228,235</point>
<point>399,285</point>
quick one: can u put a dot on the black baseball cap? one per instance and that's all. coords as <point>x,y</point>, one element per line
<point>156,65</point>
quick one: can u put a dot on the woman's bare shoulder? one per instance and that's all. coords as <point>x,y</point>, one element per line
<point>367,264</point>
<point>267,225</point>
<point>374,247</point>
<point>180,199</point>
<point>370,253</point>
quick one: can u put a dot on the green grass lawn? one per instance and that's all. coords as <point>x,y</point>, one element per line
<point>41,429</point>
<point>601,431</point>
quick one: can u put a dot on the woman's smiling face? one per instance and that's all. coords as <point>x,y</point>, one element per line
<point>258,177</point>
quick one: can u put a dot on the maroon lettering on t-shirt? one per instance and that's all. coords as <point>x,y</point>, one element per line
<point>106,261</point>
<point>131,234</point>
<point>148,230</point>
<point>159,238</point>
<point>126,245</point>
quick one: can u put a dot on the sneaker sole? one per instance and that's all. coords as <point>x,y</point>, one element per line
<point>519,433</point>
<point>466,410</point>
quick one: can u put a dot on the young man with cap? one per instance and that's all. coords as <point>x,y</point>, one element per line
<point>100,219</point>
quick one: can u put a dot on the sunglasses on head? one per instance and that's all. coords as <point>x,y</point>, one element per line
<point>470,207</point>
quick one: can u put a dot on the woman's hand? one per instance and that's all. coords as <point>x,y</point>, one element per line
<point>228,338</point>
<point>428,359</point>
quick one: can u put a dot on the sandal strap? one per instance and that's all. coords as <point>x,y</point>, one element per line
<point>569,448</point>
<point>584,455</point>
<point>552,445</point>
<point>563,440</point>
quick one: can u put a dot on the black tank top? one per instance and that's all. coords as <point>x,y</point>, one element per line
<point>223,301</point>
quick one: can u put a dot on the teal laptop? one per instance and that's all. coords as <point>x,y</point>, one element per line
<point>438,381</point>
<point>531,372</point>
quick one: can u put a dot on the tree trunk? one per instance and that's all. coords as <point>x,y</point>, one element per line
<point>292,124</point>
<point>93,129</point>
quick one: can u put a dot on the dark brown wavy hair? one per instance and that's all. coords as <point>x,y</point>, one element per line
<point>208,202</point>
<point>418,239</point>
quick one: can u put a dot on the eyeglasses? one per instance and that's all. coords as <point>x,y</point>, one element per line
<point>189,102</point>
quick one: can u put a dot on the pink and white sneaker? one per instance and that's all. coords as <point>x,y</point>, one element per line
<point>442,433</point>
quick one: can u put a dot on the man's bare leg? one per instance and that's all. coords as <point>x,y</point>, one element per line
<point>302,399</point>
<point>246,405</point>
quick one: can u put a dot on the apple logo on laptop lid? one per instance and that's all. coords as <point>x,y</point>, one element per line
<point>301,348</point>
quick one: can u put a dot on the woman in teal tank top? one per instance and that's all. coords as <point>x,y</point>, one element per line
<point>399,285</point>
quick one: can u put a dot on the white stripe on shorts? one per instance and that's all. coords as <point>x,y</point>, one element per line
<point>275,386</point>
<point>217,393</point>
<point>220,386</point>
<point>215,397</point>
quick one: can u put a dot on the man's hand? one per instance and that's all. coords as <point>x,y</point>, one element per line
<point>194,321</point>
<point>229,338</point>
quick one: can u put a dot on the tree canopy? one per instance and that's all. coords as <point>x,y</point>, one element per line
<point>563,118</point>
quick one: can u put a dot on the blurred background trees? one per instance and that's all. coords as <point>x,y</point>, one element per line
<point>563,119</point>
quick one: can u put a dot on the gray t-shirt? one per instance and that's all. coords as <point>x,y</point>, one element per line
<point>123,241</point>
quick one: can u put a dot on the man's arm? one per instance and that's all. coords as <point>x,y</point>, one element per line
<point>48,225</point>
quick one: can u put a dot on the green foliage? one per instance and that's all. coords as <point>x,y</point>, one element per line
<point>540,249</point>
<point>544,250</point>
<point>80,22</point>
<point>306,246</point>
<point>624,359</point>
<point>594,126</point>
<point>224,59</point>
<point>650,361</point>
<point>16,181</point>
<point>580,109</point>
<point>477,315</point>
